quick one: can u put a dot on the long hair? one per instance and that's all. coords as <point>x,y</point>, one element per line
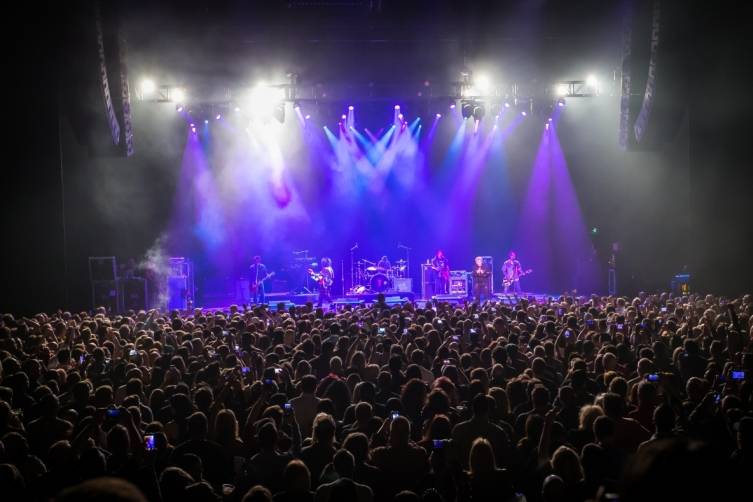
<point>481,458</point>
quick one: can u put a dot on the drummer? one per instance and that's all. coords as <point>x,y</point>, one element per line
<point>383,266</point>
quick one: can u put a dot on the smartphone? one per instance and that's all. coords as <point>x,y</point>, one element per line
<point>439,321</point>
<point>620,326</point>
<point>455,338</point>
<point>149,443</point>
<point>381,331</point>
<point>446,362</point>
<point>653,377</point>
<point>113,413</point>
<point>738,375</point>
<point>475,316</point>
<point>394,414</point>
<point>438,444</point>
<point>717,397</point>
<point>589,323</point>
<point>133,353</point>
<point>278,371</point>
<point>288,408</point>
<point>268,381</point>
<point>81,359</point>
<point>568,333</point>
<point>664,309</point>
<point>472,331</point>
<point>405,331</point>
<point>245,370</point>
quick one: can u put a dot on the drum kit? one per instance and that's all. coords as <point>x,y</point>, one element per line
<point>370,278</point>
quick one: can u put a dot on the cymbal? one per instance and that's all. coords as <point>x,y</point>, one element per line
<point>365,261</point>
<point>371,269</point>
<point>401,262</point>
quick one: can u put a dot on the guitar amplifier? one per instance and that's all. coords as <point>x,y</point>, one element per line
<point>102,268</point>
<point>105,294</point>
<point>427,281</point>
<point>402,284</point>
<point>133,294</point>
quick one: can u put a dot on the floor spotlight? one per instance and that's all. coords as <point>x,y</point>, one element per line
<point>439,115</point>
<point>478,112</point>
<point>218,117</point>
<point>466,109</point>
<point>591,81</point>
<point>561,102</point>
<point>147,87</point>
<point>178,94</point>
<point>561,90</point>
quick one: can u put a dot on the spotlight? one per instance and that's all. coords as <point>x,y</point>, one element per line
<point>523,113</point>
<point>307,116</point>
<point>237,109</point>
<point>399,115</point>
<point>296,105</point>
<point>147,87</point>
<point>343,116</point>
<point>452,106</point>
<point>467,109</point>
<point>561,90</point>
<point>549,119</point>
<point>265,101</point>
<point>439,115</point>
<point>192,125</point>
<point>397,107</point>
<point>546,126</point>
<point>218,117</point>
<point>478,112</point>
<point>206,121</point>
<point>351,108</point>
<point>482,84</point>
<point>193,130</point>
<point>179,108</point>
<point>591,81</point>
<point>178,95</point>
<point>507,105</point>
<point>561,102</point>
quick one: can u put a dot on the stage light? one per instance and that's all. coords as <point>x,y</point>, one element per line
<point>561,89</point>
<point>482,84</point>
<point>397,107</point>
<point>264,101</point>
<point>452,106</point>
<point>507,105</point>
<point>549,119</point>
<point>399,115</point>
<point>523,113</point>
<point>546,125</point>
<point>178,95</point>
<point>343,116</point>
<point>351,108</point>
<point>439,115</point>
<point>193,125</point>
<point>147,87</point>
<point>466,109</point>
<point>193,130</point>
<point>307,116</point>
<point>478,112</point>
<point>595,231</point>
<point>218,117</point>
<point>237,109</point>
<point>591,81</point>
<point>561,102</point>
<point>206,121</point>
<point>179,108</point>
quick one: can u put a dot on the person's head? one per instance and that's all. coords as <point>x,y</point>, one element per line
<point>479,261</point>
<point>308,384</point>
<point>226,426</point>
<point>480,406</point>
<point>257,259</point>
<point>566,464</point>
<point>614,405</point>
<point>344,463</point>
<point>604,430</point>
<point>173,482</point>
<point>198,426</point>
<point>512,255</point>
<point>268,436</point>
<point>481,458</point>
<point>646,394</point>
<point>257,493</point>
<point>106,488</point>
<point>399,432</point>
<point>323,428</point>
<point>588,415</point>
<point>440,253</point>
<point>540,398</point>
<point>357,443</point>
<point>297,477</point>
<point>553,489</point>
<point>664,418</point>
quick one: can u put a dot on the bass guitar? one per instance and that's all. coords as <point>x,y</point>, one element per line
<point>508,282</point>
<point>255,285</point>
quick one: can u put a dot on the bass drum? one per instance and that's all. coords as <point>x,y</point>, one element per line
<point>380,283</point>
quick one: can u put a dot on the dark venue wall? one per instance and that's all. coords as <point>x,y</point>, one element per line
<point>683,201</point>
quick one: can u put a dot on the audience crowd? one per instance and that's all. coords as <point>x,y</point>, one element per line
<point>578,398</point>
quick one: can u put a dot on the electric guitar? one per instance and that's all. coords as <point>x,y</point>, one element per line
<point>442,270</point>
<point>325,280</point>
<point>255,285</point>
<point>508,282</point>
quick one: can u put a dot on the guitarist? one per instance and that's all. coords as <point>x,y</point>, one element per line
<point>258,276</point>
<point>511,272</point>
<point>325,278</point>
<point>441,273</point>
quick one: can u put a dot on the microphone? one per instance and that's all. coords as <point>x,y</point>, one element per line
<point>400,246</point>
<point>354,247</point>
